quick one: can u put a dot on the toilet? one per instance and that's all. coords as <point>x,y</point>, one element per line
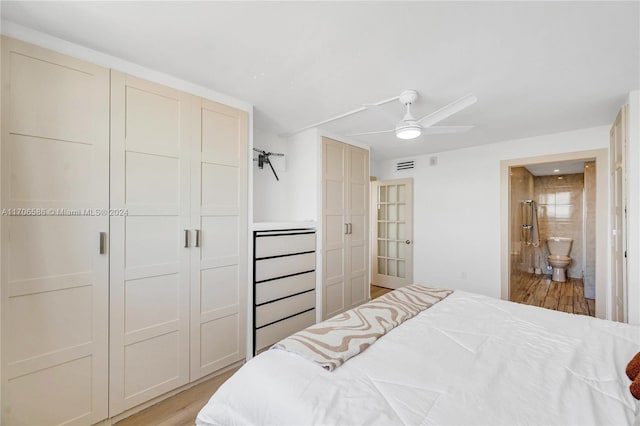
<point>559,249</point>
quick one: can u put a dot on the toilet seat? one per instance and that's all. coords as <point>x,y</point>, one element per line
<point>559,261</point>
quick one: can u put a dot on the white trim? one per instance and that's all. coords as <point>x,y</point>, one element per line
<point>603,279</point>
<point>38,38</point>
<point>633,208</point>
<point>319,230</point>
<point>249,159</point>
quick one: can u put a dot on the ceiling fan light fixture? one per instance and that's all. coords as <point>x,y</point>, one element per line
<point>408,132</point>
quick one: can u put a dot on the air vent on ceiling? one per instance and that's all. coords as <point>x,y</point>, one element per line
<point>405,165</point>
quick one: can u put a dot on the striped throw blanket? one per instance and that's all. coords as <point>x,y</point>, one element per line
<point>332,342</point>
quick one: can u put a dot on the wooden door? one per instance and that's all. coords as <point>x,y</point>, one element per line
<point>55,192</point>
<point>357,251</point>
<point>219,254</point>
<point>617,153</point>
<point>150,245</point>
<point>334,227</point>
<point>392,249</point>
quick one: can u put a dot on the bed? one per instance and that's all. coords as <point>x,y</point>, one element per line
<point>468,359</point>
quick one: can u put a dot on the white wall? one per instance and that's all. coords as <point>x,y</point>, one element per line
<point>303,162</point>
<point>633,209</point>
<point>374,167</point>
<point>270,197</point>
<point>297,196</point>
<point>457,207</point>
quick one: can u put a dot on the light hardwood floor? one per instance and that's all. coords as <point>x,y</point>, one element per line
<point>181,409</point>
<point>539,290</point>
<point>378,291</point>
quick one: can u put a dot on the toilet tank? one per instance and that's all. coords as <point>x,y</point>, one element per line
<point>559,246</point>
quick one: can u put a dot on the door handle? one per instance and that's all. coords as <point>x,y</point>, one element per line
<point>103,243</point>
<point>197,238</point>
<point>186,238</point>
<point>346,228</point>
<point>408,242</point>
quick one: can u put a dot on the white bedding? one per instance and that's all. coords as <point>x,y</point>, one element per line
<point>469,359</point>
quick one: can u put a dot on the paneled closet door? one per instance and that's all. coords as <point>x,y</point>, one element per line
<point>219,253</point>
<point>335,227</point>
<point>150,144</point>
<point>358,218</point>
<point>55,175</point>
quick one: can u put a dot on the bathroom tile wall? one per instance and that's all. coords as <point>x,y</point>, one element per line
<point>521,189</point>
<point>590,229</point>
<point>560,213</point>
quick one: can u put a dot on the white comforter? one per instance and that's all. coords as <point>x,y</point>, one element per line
<point>469,359</point>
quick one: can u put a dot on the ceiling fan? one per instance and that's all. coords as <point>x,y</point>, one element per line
<point>408,127</point>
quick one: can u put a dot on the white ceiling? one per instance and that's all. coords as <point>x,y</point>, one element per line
<point>564,168</point>
<point>536,67</point>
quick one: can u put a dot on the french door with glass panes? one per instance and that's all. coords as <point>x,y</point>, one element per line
<point>392,251</point>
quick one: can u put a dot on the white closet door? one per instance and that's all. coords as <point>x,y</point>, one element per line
<point>55,164</point>
<point>219,218</point>
<point>334,235</point>
<point>150,137</point>
<point>617,152</point>
<point>358,218</point>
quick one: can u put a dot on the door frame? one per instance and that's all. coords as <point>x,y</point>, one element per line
<point>615,256</point>
<point>603,238</point>
<point>373,228</point>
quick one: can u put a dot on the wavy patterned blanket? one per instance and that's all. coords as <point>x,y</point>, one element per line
<point>332,342</point>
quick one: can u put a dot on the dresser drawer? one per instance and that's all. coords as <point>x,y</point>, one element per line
<point>279,244</point>
<point>283,287</point>
<point>275,332</point>
<point>282,266</point>
<point>274,311</point>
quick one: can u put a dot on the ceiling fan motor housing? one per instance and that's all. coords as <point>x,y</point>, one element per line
<point>408,97</point>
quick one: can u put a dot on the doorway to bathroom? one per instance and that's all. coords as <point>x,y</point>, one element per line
<point>553,236</point>
<point>552,229</point>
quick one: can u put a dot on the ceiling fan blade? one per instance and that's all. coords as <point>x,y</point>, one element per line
<point>383,114</point>
<point>372,133</point>
<point>441,130</point>
<point>337,117</point>
<point>448,110</point>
